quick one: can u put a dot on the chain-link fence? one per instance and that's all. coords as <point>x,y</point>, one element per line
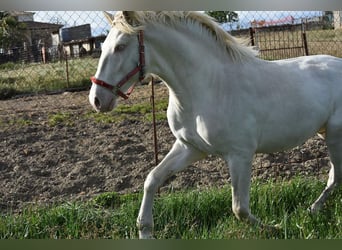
<point>279,35</point>
<point>52,50</point>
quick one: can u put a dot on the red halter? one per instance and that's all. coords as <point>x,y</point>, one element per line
<point>140,68</point>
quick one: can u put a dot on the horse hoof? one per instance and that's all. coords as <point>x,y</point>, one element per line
<point>314,209</point>
<point>272,229</point>
<point>145,235</point>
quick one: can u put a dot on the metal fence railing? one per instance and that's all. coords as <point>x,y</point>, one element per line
<point>49,50</point>
<point>279,35</point>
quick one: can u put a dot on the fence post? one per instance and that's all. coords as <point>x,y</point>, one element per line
<point>66,68</point>
<point>251,33</point>
<point>155,139</point>
<point>305,42</point>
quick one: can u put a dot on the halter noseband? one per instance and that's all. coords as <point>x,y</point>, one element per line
<point>140,68</point>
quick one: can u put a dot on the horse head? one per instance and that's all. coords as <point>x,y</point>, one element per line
<point>121,64</point>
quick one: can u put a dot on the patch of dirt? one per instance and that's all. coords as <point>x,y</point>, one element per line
<point>75,160</point>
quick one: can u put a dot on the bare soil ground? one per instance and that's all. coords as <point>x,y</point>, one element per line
<point>76,159</point>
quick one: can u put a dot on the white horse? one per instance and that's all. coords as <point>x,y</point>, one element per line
<point>223,100</point>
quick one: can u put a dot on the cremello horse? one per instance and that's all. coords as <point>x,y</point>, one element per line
<point>223,99</point>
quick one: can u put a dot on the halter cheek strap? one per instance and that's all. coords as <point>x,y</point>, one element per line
<point>140,68</point>
<point>112,88</point>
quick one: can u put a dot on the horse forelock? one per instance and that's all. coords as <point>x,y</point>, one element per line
<point>139,19</point>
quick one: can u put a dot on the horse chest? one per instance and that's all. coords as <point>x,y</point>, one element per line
<point>207,136</point>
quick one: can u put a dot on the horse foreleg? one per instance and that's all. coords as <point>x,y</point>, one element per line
<point>240,167</point>
<point>179,157</point>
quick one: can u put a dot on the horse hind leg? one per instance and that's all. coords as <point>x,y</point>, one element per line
<point>334,144</point>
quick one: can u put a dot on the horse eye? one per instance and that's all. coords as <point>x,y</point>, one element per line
<point>119,48</point>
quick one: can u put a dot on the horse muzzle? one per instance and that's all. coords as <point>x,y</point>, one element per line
<point>101,99</point>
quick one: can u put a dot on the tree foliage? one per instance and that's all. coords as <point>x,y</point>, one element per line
<point>224,16</point>
<point>10,30</point>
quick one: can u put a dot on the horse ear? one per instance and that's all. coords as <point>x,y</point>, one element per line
<point>109,17</point>
<point>129,16</point>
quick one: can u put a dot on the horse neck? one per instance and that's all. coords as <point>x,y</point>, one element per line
<point>180,56</point>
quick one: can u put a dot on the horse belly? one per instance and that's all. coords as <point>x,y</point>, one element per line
<point>291,131</point>
<point>296,113</point>
<point>281,143</point>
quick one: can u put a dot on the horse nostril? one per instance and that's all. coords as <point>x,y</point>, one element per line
<point>97,103</point>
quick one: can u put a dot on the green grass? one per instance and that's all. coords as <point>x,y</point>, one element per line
<point>34,78</point>
<point>139,111</point>
<point>145,109</point>
<point>15,121</point>
<point>134,112</point>
<point>61,118</point>
<point>187,215</point>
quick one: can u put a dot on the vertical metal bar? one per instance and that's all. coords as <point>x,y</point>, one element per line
<point>155,139</point>
<point>67,68</point>
<point>251,34</point>
<point>305,42</point>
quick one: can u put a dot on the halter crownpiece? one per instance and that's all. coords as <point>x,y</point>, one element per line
<point>140,68</point>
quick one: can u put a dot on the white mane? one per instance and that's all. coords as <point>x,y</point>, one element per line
<point>131,22</point>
